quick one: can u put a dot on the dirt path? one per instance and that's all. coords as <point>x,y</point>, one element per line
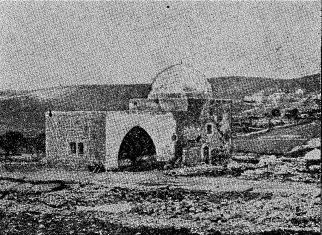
<point>156,179</point>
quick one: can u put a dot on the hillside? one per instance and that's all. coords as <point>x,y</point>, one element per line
<point>24,111</point>
<point>238,87</point>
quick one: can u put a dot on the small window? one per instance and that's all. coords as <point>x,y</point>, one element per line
<point>72,146</point>
<point>80,148</point>
<point>209,128</point>
<point>135,103</point>
<point>174,137</point>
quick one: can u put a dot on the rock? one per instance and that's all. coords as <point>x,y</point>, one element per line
<point>248,158</point>
<point>314,143</point>
<point>315,168</point>
<point>23,188</point>
<point>300,165</point>
<point>302,149</point>
<point>197,170</point>
<point>45,161</point>
<point>233,165</point>
<point>146,159</point>
<point>109,208</point>
<point>269,161</point>
<point>240,166</point>
<point>303,177</point>
<point>284,170</point>
<point>253,174</point>
<point>288,159</point>
<point>125,163</point>
<point>314,155</point>
<point>168,166</point>
<point>7,185</point>
<point>41,226</point>
<point>54,200</point>
<point>296,149</point>
<point>44,187</point>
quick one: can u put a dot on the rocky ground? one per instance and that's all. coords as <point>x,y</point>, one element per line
<point>148,203</point>
<point>253,194</point>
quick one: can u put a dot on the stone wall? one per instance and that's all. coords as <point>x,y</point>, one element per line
<point>192,156</point>
<point>63,128</point>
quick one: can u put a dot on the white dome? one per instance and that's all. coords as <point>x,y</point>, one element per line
<point>179,79</point>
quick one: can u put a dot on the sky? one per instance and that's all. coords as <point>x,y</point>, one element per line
<point>45,44</point>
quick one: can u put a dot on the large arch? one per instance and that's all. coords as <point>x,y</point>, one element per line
<point>160,127</point>
<point>137,142</point>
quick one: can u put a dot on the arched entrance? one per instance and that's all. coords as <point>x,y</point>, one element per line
<point>137,142</point>
<point>205,151</point>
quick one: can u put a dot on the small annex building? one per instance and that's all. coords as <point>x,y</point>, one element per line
<point>179,121</point>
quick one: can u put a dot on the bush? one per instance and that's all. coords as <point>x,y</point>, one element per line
<point>12,141</point>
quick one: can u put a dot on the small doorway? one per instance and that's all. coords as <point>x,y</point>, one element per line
<point>205,153</point>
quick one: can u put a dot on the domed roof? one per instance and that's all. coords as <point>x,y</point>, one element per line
<point>179,79</point>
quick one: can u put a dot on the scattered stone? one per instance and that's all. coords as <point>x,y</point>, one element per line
<point>284,169</point>
<point>7,185</point>
<point>313,156</point>
<point>314,143</point>
<point>39,188</point>
<point>299,151</point>
<point>315,169</point>
<point>125,163</point>
<point>23,188</point>
<point>54,200</point>
<point>200,170</point>
<point>110,208</point>
<point>248,158</point>
<point>240,166</point>
<point>268,160</point>
<point>255,174</point>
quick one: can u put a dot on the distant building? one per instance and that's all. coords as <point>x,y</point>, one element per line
<point>257,98</point>
<point>276,98</point>
<point>299,92</point>
<point>178,122</point>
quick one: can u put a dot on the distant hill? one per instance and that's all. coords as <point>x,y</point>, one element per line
<point>24,111</point>
<point>238,87</point>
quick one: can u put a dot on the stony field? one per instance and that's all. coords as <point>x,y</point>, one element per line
<point>60,202</point>
<point>254,194</point>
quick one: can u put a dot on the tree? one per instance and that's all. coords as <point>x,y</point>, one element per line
<point>293,113</point>
<point>36,144</point>
<point>40,143</point>
<point>276,113</point>
<point>12,141</point>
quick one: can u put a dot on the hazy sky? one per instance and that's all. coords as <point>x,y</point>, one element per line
<point>44,44</point>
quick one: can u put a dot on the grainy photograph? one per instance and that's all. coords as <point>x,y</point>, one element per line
<point>160,117</point>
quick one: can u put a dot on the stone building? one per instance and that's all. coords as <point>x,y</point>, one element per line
<point>178,122</point>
